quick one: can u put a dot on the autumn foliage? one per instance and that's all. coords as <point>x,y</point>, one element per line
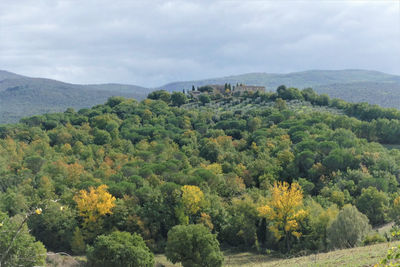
<point>94,203</point>
<point>284,210</point>
<point>192,198</point>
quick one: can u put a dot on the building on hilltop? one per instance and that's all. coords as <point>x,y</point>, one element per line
<point>194,94</point>
<point>224,89</point>
<point>249,88</point>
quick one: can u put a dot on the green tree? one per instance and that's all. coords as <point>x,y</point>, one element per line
<point>78,245</point>
<point>17,246</point>
<point>54,226</point>
<point>240,228</point>
<point>178,99</point>
<point>193,246</point>
<point>319,220</point>
<point>374,204</point>
<point>280,104</point>
<point>101,137</point>
<point>348,229</point>
<point>254,123</point>
<point>160,95</point>
<point>120,249</point>
<point>205,88</point>
<point>34,163</point>
<point>204,99</point>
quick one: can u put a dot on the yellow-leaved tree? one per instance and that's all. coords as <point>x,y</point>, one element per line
<point>192,199</point>
<point>94,204</point>
<point>284,210</point>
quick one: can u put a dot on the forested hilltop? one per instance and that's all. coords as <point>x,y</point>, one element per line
<point>350,85</point>
<point>285,172</point>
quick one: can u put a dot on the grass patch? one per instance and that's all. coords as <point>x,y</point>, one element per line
<point>360,256</point>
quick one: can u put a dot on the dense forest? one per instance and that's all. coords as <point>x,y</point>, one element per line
<point>285,172</point>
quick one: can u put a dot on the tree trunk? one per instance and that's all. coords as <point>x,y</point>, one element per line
<point>287,236</point>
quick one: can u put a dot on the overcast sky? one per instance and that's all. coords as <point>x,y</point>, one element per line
<point>150,43</point>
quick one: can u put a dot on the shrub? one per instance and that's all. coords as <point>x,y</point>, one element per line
<point>348,229</point>
<point>193,246</point>
<point>120,249</point>
<point>373,239</point>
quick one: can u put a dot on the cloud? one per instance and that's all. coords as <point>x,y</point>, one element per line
<point>153,42</point>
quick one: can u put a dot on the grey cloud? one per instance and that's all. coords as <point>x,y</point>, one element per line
<point>153,42</point>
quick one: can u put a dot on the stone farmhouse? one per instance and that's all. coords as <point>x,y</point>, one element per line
<point>249,88</point>
<point>223,90</point>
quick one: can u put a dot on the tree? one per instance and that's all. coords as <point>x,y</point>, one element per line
<point>280,104</point>
<point>160,95</point>
<point>289,93</point>
<point>54,226</point>
<point>320,219</point>
<point>78,245</point>
<point>194,246</point>
<point>204,99</point>
<point>192,199</point>
<point>240,228</point>
<point>374,204</point>
<point>114,100</point>
<point>101,137</point>
<point>210,150</point>
<point>120,249</point>
<point>395,211</point>
<point>254,123</point>
<point>178,99</point>
<point>94,204</point>
<point>205,88</point>
<point>17,246</point>
<point>348,229</point>
<point>284,210</point>
<point>34,163</point>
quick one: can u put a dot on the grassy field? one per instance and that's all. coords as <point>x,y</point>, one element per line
<point>361,256</point>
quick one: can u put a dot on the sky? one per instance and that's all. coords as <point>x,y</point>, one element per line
<point>151,42</point>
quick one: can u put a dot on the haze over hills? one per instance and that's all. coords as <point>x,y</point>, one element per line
<point>22,96</point>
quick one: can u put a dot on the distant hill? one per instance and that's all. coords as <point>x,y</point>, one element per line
<point>380,93</point>
<point>351,85</point>
<point>296,79</point>
<point>22,96</point>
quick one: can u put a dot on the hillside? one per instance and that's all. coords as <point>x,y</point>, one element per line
<point>22,96</point>
<point>385,94</point>
<point>350,85</point>
<point>354,257</point>
<point>288,173</point>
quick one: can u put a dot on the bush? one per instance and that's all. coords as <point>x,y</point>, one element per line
<point>348,229</point>
<point>373,239</point>
<point>193,246</point>
<point>120,249</point>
